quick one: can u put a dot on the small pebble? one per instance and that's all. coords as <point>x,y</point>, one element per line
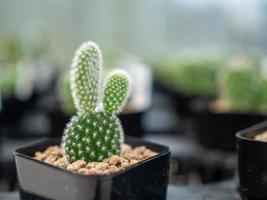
<point>60,163</point>
<point>101,166</point>
<point>125,164</point>
<point>114,160</point>
<point>126,148</point>
<point>54,150</point>
<point>76,165</point>
<point>91,165</point>
<point>50,159</point>
<point>106,160</point>
<point>122,160</point>
<point>132,155</point>
<point>92,171</point>
<point>99,172</point>
<point>40,156</point>
<point>88,172</point>
<point>83,171</point>
<point>148,153</point>
<point>133,162</point>
<point>113,169</point>
<point>140,150</point>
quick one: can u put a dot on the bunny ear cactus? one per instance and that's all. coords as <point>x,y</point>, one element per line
<point>95,132</point>
<point>116,91</point>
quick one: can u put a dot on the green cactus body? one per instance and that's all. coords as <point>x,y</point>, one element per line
<point>116,91</point>
<point>95,133</point>
<point>85,77</point>
<point>92,137</point>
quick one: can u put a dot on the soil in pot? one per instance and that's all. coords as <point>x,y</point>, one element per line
<point>130,156</point>
<point>261,136</point>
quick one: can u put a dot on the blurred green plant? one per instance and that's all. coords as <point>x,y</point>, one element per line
<point>261,96</point>
<point>11,49</point>
<point>190,75</point>
<point>242,87</point>
<point>8,79</point>
<point>64,92</point>
<point>238,87</point>
<point>11,54</point>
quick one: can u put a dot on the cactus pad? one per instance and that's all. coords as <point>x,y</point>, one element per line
<point>92,137</point>
<point>85,75</point>
<point>116,91</point>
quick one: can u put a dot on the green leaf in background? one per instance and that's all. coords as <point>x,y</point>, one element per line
<point>11,49</point>
<point>64,92</point>
<point>242,86</point>
<point>8,77</point>
<point>191,75</point>
<point>238,88</point>
<point>261,96</point>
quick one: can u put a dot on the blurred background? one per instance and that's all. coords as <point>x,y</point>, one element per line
<point>199,69</point>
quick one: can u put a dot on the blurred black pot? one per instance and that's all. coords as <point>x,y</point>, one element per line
<point>21,119</point>
<point>217,130</point>
<point>58,121</point>
<point>183,103</point>
<point>252,163</point>
<point>132,123</point>
<point>180,101</point>
<point>146,180</point>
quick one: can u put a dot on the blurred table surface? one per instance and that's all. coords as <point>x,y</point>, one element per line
<point>222,191</point>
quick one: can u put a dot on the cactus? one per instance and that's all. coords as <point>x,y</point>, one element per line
<point>95,132</point>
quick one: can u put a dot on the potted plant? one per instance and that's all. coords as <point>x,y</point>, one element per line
<point>241,102</point>
<point>93,162</point>
<point>252,161</point>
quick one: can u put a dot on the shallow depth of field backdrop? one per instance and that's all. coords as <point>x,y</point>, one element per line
<point>175,49</point>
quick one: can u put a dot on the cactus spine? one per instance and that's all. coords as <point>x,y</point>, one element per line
<point>95,132</point>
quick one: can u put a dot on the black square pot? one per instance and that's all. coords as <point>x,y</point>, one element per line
<point>217,130</point>
<point>252,163</point>
<point>145,180</point>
